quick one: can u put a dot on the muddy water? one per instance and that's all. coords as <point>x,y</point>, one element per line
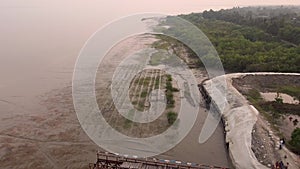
<point>38,123</point>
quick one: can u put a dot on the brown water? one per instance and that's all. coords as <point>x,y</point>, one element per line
<point>40,42</point>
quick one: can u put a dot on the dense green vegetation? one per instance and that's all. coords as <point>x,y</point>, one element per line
<point>254,38</point>
<point>295,140</point>
<point>281,22</point>
<point>169,92</point>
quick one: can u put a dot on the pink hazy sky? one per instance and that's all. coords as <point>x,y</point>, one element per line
<point>135,6</point>
<point>107,10</point>
<point>46,35</point>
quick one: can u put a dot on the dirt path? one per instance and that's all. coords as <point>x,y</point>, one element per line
<point>266,146</point>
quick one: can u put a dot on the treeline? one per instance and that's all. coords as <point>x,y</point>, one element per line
<point>248,42</point>
<point>284,25</point>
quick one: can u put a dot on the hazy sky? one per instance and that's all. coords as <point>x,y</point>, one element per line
<point>42,36</point>
<point>109,7</point>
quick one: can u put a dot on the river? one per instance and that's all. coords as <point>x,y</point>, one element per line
<point>39,46</point>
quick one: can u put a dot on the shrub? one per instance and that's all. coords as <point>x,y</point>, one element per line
<point>295,140</point>
<point>169,78</point>
<point>175,89</point>
<point>172,116</point>
<point>144,94</point>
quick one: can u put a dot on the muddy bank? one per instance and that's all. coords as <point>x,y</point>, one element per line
<point>212,152</point>
<point>265,82</point>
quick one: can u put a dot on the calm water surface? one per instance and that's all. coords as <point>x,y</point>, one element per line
<point>39,45</point>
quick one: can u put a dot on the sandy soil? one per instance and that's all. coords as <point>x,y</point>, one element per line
<point>270,96</point>
<point>287,126</point>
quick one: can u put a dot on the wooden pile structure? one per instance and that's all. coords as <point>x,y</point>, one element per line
<point>115,161</point>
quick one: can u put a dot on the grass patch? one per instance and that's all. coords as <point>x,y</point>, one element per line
<point>146,81</point>
<point>140,106</point>
<point>280,108</point>
<point>169,86</point>
<point>291,90</point>
<point>170,99</point>
<point>274,110</point>
<point>127,124</point>
<point>294,143</point>
<point>169,92</point>
<point>144,94</point>
<point>172,116</point>
<point>161,44</point>
<point>169,78</point>
<point>175,89</point>
<point>254,96</point>
<point>157,81</point>
<point>155,59</point>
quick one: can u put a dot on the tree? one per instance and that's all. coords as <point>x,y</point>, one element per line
<point>278,98</point>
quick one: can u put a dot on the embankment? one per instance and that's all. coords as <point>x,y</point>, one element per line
<point>238,117</point>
